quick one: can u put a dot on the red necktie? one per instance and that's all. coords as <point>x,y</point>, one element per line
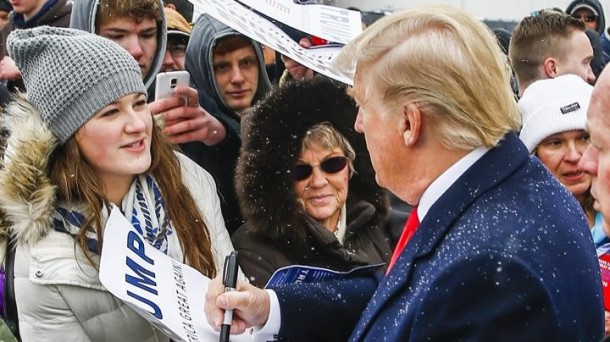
<point>407,232</point>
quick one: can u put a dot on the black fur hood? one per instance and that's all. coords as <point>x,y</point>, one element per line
<point>272,135</point>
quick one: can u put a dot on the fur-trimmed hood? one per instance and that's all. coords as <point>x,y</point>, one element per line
<point>27,197</point>
<point>271,142</point>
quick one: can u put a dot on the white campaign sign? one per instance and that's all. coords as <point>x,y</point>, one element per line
<point>332,23</point>
<point>164,291</point>
<point>248,23</point>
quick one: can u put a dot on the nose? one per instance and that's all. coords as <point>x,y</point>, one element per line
<point>168,62</point>
<point>136,121</point>
<point>318,178</point>
<point>237,76</point>
<point>588,161</point>
<point>133,46</point>
<point>573,154</point>
<point>358,123</point>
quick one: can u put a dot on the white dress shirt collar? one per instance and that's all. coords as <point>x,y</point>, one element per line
<point>438,187</point>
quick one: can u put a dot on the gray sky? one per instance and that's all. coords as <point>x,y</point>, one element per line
<point>489,9</point>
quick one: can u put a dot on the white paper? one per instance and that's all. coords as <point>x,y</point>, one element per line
<point>252,25</point>
<point>332,23</point>
<point>164,291</point>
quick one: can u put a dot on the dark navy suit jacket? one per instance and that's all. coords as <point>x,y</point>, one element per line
<point>505,254</point>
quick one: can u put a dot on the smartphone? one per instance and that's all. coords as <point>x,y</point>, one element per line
<point>167,82</point>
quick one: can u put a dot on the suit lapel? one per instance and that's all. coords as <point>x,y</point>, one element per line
<point>496,165</point>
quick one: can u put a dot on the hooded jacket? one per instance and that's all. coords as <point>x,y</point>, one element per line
<point>56,14</point>
<point>53,13</point>
<point>596,6</point>
<point>220,159</point>
<point>278,232</point>
<point>58,293</point>
<point>83,18</point>
<point>601,46</point>
<point>207,31</point>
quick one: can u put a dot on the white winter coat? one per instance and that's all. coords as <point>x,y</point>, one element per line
<point>58,293</point>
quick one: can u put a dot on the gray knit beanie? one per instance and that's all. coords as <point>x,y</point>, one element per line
<point>70,74</point>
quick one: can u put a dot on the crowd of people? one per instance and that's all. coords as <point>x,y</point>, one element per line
<point>466,167</point>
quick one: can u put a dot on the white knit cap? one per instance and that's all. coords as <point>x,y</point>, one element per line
<point>552,106</point>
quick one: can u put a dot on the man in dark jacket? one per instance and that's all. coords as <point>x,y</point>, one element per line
<point>28,14</point>
<point>230,68</point>
<point>498,249</point>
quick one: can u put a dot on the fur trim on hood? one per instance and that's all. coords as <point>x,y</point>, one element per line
<point>272,136</point>
<point>27,196</point>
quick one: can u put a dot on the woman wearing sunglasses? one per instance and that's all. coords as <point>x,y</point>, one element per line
<point>306,185</point>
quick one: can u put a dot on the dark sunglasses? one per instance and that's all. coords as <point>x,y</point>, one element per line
<point>330,165</point>
<point>587,18</point>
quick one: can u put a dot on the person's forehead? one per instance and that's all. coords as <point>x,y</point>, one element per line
<point>241,52</point>
<point>358,91</point>
<point>173,38</point>
<point>598,114</point>
<point>129,24</point>
<point>583,10</point>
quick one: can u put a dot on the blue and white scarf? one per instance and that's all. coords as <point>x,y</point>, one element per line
<point>143,206</point>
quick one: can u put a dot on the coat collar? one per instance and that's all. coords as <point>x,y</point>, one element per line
<point>27,197</point>
<point>495,166</point>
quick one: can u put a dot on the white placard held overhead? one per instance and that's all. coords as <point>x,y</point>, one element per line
<point>332,23</point>
<point>252,25</point>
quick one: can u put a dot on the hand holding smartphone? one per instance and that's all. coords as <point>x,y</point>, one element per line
<point>167,82</point>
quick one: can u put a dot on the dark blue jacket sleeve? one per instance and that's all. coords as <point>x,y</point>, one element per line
<point>325,311</point>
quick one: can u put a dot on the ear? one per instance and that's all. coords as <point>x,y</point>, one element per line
<point>410,124</point>
<point>550,67</point>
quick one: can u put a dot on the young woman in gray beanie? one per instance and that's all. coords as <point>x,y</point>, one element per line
<point>85,139</point>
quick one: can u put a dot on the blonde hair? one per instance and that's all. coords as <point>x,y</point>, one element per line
<point>448,64</point>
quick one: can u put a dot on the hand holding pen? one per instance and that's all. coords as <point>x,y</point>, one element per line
<point>229,280</point>
<point>250,305</point>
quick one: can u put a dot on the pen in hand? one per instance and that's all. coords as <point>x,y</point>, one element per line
<point>229,280</point>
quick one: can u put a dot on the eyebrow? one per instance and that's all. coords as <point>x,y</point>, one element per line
<point>122,30</point>
<point>249,57</point>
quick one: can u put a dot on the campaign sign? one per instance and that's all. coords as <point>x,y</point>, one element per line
<point>166,292</point>
<point>254,26</point>
<point>332,23</point>
<point>296,274</point>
